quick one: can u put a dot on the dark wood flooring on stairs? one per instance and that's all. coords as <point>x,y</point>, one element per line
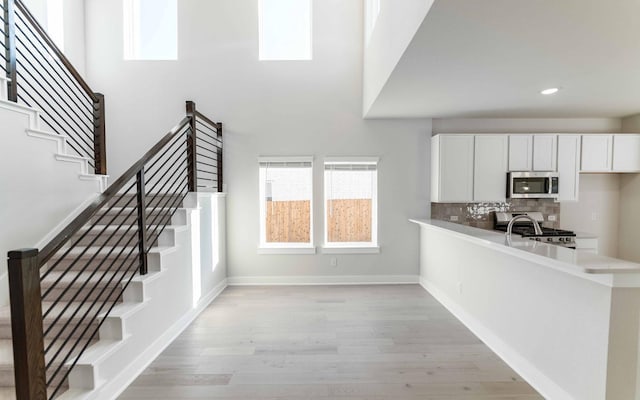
<point>328,342</point>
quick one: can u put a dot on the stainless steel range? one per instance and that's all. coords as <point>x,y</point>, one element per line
<point>526,229</point>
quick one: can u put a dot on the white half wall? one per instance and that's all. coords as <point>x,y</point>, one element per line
<point>191,277</point>
<point>557,330</point>
<point>269,108</point>
<point>395,27</point>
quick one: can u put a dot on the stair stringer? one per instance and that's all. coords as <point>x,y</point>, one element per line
<point>138,330</point>
<point>38,191</point>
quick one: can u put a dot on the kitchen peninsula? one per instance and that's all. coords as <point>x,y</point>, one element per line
<point>567,321</point>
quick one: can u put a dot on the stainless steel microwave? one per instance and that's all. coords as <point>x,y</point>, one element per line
<point>532,185</point>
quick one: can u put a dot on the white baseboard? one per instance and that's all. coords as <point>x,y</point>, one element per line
<point>545,386</point>
<point>323,280</point>
<point>114,387</point>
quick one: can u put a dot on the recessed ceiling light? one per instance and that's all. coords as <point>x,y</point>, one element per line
<point>550,91</point>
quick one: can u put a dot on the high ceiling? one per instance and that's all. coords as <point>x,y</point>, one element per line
<point>491,58</point>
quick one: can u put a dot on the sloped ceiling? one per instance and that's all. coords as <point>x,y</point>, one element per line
<point>491,58</point>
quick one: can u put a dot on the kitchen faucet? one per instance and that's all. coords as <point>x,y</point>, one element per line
<point>536,225</point>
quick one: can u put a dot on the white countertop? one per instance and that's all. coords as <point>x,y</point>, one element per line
<point>567,260</point>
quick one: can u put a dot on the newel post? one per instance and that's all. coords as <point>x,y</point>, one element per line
<point>26,325</point>
<point>191,148</point>
<point>219,157</point>
<point>99,135</point>
<point>10,53</point>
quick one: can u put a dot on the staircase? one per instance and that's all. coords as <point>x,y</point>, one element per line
<point>65,321</point>
<point>85,304</point>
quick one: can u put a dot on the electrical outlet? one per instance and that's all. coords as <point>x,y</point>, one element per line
<point>453,218</point>
<point>334,261</point>
<point>552,218</point>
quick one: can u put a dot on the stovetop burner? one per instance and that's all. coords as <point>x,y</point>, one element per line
<point>528,231</point>
<point>525,229</point>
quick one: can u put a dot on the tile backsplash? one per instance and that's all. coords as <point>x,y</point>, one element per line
<point>480,215</point>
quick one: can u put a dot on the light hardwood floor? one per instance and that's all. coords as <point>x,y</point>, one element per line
<point>328,342</point>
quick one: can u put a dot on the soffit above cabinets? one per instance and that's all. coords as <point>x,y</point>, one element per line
<point>492,58</point>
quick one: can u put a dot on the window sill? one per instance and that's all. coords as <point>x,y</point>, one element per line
<point>287,250</point>
<point>350,249</point>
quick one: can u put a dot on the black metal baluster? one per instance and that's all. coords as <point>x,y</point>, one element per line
<point>142,221</point>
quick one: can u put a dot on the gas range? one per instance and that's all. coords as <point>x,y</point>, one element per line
<point>525,229</point>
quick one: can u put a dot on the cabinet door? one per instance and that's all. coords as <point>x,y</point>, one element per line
<point>520,152</point>
<point>568,167</point>
<point>596,153</point>
<point>626,153</point>
<point>455,175</point>
<point>490,168</point>
<point>545,152</point>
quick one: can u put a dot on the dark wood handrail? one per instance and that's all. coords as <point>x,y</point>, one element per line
<point>65,61</point>
<point>207,120</point>
<point>92,209</point>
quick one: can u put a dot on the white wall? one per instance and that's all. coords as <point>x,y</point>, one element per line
<point>395,27</point>
<point>629,204</point>
<point>74,34</point>
<point>268,108</point>
<point>74,28</point>
<point>597,211</point>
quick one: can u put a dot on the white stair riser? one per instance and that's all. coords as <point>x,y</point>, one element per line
<point>89,293</point>
<point>131,218</point>
<point>121,237</point>
<point>83,377</point>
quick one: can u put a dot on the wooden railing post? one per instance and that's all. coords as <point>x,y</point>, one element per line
<point>191,148</point>
<point>99,139</point>
<point>26,325</point>
<point>10,53</point>
<point>219,156</point>
<point>142,220</point>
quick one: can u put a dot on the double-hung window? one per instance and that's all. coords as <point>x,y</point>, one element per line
<point>351,203</point>
<point>286,207</point>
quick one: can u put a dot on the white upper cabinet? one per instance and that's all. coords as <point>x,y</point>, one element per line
<point>545,152</point>
<point>626,153</point>
<point>568,167</point>
<point>597,153</point>
<point>490,168</point>
<point>520,152</point>
<point>452,168</point>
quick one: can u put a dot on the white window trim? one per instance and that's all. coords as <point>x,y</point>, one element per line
<point>283,248</point>
<point>287,250</point>
<point>351,247</point>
